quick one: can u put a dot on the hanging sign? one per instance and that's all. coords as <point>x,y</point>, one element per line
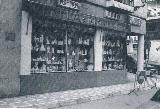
<point>69,4</point>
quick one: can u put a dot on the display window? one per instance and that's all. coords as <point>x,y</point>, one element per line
<point>113,52</point>
<point>59,49</point>
<point>48,49</point>
<point>80,51</point>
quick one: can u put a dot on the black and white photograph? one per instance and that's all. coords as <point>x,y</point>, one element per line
<point>79,54</point>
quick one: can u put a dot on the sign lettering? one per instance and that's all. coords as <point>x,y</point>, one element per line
<point>135,21</point>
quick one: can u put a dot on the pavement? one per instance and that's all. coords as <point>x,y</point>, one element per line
<point>131,101</point>
<point>71,97</point>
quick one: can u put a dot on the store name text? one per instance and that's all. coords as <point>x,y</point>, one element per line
<point>135,21</point>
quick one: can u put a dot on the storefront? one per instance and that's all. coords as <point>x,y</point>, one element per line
<point>65,48</point>
<point>138,29</point>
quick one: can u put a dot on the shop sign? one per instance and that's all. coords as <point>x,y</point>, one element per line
<point>77,17</point>
<point>69,4</point>
<point>135,21</point>
<point>112,15</point>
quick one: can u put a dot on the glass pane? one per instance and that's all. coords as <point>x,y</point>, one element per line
<point>48,49</point>
<point>113,53</point>
<point>80,51</point>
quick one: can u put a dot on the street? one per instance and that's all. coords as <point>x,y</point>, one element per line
<point>118,102</point>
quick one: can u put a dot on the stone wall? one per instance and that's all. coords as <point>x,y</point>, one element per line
<point>10,18</point>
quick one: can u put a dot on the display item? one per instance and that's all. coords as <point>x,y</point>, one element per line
<point>113,53</point>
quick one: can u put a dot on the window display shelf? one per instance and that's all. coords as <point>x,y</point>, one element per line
<point>55,64</point>
<point>111,61</point>
<point>39,60</point>
<point>113,53</point>
<point>73,48</point>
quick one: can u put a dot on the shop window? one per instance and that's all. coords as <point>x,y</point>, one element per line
<point>113,53</point>
<point>80,51</point>
<point>56,48</point>
<point>48,50</point>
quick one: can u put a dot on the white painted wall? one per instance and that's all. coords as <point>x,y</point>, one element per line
<point>26,44</point>
<point>98,51</point>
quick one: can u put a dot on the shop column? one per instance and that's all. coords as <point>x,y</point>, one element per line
<point>98,51</point>
<point>26,33</point>
<point>10,26</point>
<point>140,58</point>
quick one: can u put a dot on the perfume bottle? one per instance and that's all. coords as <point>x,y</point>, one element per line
<point>48,49</point>
<point>52,49</point>
<point>73,53</point>
<point>41,39</point>
<point>70,64</point>
<point>47,40</point>
<point>42,47</point>
<point>69,41</point>
<point>80,41</point>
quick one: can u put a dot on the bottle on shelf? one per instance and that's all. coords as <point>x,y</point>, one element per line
<point>47,41</point>
<point>48,49</point>
<point>69,41</point>
<point>41,39</point>
<point>73,53</point>
<point>53,50</point>
<point>80,41</point>
<point>42,47</point>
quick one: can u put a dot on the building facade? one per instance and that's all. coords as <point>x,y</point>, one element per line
<point>56,45</point>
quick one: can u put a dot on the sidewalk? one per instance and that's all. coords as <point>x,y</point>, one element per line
<point>65,98</point>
